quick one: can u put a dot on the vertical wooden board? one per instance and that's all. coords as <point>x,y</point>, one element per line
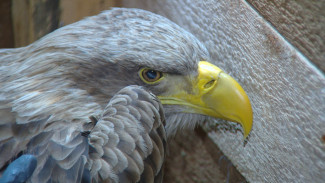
<point>74,10</point>
<point>6,34</point>
<point>185,162</point>
<point>301,22</point>
<point>21,18</point>
<point>33,19</point>
<point>45,16</point>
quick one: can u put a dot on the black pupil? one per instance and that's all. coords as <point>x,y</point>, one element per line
<point>151,74</point>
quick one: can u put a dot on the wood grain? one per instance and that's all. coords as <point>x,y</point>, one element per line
<point>74,10</point>
<point>301,22</point>
<point>196,161</point>
<point>32,19</point>
<point>6,34</point>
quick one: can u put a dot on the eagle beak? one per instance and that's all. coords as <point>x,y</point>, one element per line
<point>216,94</point>
<point>222,97</point>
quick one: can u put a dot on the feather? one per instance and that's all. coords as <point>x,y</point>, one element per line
<point>124,157</point>
<point>51,88</point>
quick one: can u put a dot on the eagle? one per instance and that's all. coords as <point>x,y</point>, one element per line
<point>101,97</point>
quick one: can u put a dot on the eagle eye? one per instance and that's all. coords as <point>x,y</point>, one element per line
<point>150,76</point>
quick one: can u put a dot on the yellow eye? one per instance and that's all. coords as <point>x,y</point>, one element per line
<point>150,76</point>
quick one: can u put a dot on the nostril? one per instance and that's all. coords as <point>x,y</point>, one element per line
<point>209,84</point>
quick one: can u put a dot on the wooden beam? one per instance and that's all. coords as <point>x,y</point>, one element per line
<point>33,19</point>
<point>301,22</point>
<point>74,10</point>
<point>6,34</point>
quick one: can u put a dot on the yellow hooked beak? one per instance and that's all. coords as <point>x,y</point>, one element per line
<point>214,93</point>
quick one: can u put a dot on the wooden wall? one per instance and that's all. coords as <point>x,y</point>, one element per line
<point>74,10</point>
<point>24,21</point>
<point>301,22</point>
<point>6,29</point>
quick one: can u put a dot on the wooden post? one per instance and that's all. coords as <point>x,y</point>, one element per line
<point>32,19</point>
<point>74,10</point>
<point>6,34</point>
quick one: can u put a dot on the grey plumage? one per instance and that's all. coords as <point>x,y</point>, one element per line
<point>128,144</point>
<point>123,144</point>
<point>129,138</point>
<point>50,88</point>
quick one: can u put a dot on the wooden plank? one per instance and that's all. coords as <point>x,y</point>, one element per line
<point>33,19</point>
<point>6,34</point>
<point>74,10</point>
<point>301,22</point>
<point>46,17</point>
<point>201,161</point>
<point>21,22</point>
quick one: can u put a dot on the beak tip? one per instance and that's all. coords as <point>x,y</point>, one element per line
<point>247,126</point>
